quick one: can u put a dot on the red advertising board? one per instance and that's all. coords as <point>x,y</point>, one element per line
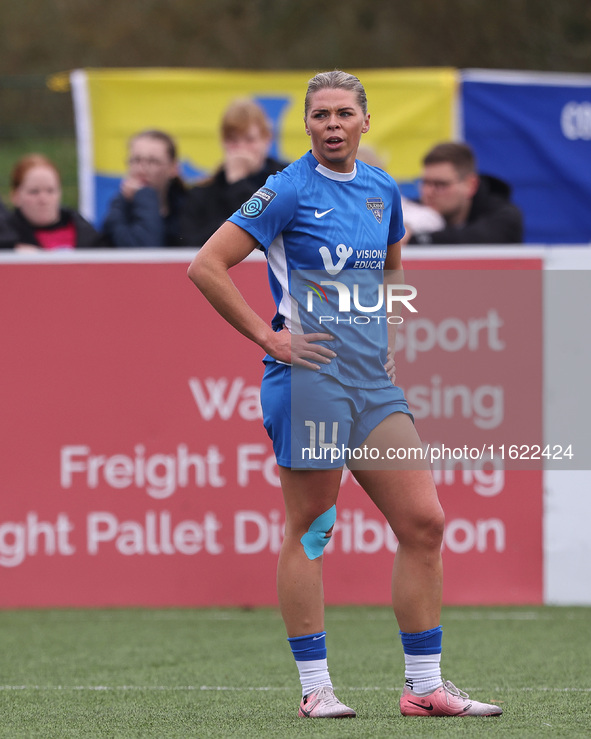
<point>136,471</point>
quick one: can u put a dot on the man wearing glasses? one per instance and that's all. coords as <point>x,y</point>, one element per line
<point>477,209</point>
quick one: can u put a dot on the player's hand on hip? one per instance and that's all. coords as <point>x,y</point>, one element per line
<point>390,366</point>
<point>302,349</point>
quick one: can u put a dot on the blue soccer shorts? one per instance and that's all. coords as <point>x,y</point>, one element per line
<point>315,422</point>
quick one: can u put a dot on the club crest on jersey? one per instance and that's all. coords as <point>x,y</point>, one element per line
<point>376,206</point>
<point>257,203</point>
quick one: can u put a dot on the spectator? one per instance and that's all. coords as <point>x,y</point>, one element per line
<point>246,139</point>
<point>416,217</point>
<point>3,217</point>
<point>38,220</point>
<point>146,212</point>
<point>477,209</point>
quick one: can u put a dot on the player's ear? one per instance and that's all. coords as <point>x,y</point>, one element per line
<point>365,128</point>
<point>306,126</point>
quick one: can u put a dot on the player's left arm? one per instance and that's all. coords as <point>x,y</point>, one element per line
<point>393,274</point>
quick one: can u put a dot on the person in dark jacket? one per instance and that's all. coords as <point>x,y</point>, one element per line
<point>38,220</point>
<point>146,212</point>
<point>477,208</point>
<point>246,138</point>
<point>3,219</point>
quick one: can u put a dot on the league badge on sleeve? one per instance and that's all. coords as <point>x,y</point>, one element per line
<point>257,203</point>
<point>376,206</point>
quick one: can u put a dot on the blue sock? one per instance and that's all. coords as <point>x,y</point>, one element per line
<point>422,659</point>
<point>310,656</point>
<point>305,648</point>
<point>423,642</point>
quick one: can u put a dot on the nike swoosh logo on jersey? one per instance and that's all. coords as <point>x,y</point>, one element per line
<point>320,215</point>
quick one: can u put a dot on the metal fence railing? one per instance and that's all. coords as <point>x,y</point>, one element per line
<point>35,116</point>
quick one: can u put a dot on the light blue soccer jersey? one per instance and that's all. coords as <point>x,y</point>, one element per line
<point>326,235</point>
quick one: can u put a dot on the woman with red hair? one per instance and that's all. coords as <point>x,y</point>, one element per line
<point>39,221</point>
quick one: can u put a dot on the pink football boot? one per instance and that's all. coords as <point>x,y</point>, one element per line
<point>446,700</point>
<point>322,703</point>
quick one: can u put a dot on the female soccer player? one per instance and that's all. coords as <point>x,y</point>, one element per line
<point>330,227</point>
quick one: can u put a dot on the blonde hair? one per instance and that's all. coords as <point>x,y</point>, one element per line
<point>240,116</point>
<point>336,80</point>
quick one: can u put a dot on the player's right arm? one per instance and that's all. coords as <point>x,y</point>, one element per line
<point>209,270</point>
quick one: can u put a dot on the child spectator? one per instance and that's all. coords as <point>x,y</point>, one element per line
<point>246,139</point>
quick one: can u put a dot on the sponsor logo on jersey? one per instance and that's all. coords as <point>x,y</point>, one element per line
<point>257,203</point>
<point>376,206</point>
<point>343,253</point>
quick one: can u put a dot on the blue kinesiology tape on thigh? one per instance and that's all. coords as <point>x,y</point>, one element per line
<point>318,535</point>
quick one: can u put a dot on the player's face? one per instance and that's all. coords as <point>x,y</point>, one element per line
<point>335,122</point>
<point>150,162</point>
<point>39,196</point>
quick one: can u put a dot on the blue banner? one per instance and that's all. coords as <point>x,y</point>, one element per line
<point>534,131</point>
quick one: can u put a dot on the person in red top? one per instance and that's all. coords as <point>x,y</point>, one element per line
<point>38,220</point>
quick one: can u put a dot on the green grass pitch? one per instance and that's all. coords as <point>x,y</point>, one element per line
<point>229,673</point>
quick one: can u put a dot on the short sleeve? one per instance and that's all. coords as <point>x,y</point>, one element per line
<point>396,230</point>
<point>269,211</point>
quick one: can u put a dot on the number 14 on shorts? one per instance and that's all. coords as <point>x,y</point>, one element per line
<point>318,433</point>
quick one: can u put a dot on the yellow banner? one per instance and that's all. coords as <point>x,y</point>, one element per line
<point>411,109</point>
